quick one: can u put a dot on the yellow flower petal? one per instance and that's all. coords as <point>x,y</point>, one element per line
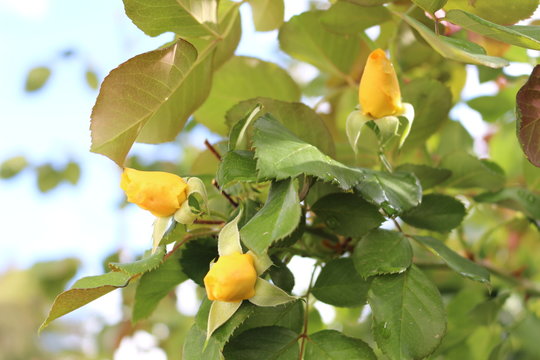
<point>159,192</point>
<point>232,278</point>
<point>379,92</point>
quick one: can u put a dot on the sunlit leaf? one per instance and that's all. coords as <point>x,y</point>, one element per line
<point>497,11</point>
<point>347,18</point>
<point>37,78</point>
<point>514,198</point>
<point>149,98</point>
<point>267,14</point>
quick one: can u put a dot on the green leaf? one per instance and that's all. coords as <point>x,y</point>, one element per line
<point>184,17</point>
<point>432,101</point>
<point>72,173</point>
<point>196,347</point>
<point>409,320</point>
<point>84,291</point>
<point>454,49</point>
<point>48,177</point>
<point>339,284</point>
<point>140,266</point>
<point>37,78</point>
<point>196,256</point>
<point>12,167</point>
<point>267,14</point>
<point>277,219</point>
<point>149,98</point>
<point>155,285</point>
<point>514,198</point>
<point>306,39</point>
<point>347,214</point>
<point>333,345</point>
<point>528,117</point>
<point>437,212</point>
<point>395,193</point>
<point>510,35</point>
<point>431,6</point>
<point>243,78</point>
<point>470,172</point>
<point>428,176</point>
<point>289,315</point>
<point>91,79</point>
<point>460,264</point>
<point>382,252</point>
<point>497,11</point>
<point>264,343</point>
<point>237,166</point>
<point>280,155</point>
<point>494,107</point>
<point>454,137</point>
<point>281,275</point>
<point>295,116</point>
<point>348,18</point>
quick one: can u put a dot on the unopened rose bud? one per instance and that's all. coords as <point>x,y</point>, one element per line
<point>379,93</point>
<point>232,278</point>
<point>159,192</point>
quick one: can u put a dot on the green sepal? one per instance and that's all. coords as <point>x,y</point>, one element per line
<point>161,225</point>
<point>262,262</point>
<point>267,294</point>
<point>220,312</point>
<point>229,238</point>
<point>355,122</point>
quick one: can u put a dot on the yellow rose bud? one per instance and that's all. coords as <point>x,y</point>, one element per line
<point>379,93</point>
<point>232,278</point>
<point>159,192</point>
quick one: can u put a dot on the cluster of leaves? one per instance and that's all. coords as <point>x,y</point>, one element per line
<point>48,175</point>
<point>413,232</point>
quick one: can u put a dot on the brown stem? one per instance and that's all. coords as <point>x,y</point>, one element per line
<point>222,192</point>
<point>212,149</point>
<point>185,240</point>
<point>209,222</point>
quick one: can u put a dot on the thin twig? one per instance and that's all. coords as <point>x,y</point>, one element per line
<point>212,149</point>
<point>222,192</point>
<point>185,240</point>
<point>303,335</point>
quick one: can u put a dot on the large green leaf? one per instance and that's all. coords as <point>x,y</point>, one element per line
<point>183,17</point>
<point>289,315</point>
<point>155,285</point>
<point>145,264</point>
<point>432,101</point>
<point>510,35</point>
<point>149,98</point>
<point>84,291</point>
<point>514,198</point>
<point>368,2</point>
<point>278,218</point>
<point>427,175</point>
<point>244,78</point>
<point>528,117</point>
<point>267,14</point>
<point>460,264</point>
<point>430,5</point>
<point>333,345</point>
<point>196,346</point>
<point>347,18</point>
<point>196,256</point>
<point>339,284</point>
<point>280,155</point>
<point>455,49</point>
<point>470,172</point>
<point>264,343</point>
<point>408,314</point>
<point>347,214</point>
<point>395,193</point>
<point>498,11</point>
<point>437,212</point>
<point>237,166</point>
<point>306,39</point>
<point>382,252</point>
<point>297,117</point>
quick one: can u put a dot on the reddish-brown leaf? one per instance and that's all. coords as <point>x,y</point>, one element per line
<point>528,117</point>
